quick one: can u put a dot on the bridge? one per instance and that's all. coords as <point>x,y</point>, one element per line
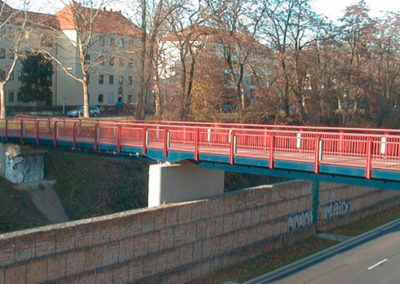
<point>362,156</point>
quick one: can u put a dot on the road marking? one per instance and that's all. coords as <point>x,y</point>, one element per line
<point>377,264</point>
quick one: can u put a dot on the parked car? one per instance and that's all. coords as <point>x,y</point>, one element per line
<point>226,108</point>
<point>78,111</point>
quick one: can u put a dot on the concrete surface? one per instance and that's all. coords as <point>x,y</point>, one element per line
<point>169,183</point>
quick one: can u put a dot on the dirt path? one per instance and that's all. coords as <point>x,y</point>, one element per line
<point>46,200</point>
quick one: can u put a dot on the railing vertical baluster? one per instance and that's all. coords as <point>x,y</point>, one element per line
<point>368,167</point>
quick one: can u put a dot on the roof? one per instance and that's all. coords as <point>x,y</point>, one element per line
<point>196,32</point>
<point>214,35</point>
<point>33,18</point>
<point>106,21</point>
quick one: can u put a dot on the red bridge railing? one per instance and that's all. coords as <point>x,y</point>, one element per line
<point>351,147</point>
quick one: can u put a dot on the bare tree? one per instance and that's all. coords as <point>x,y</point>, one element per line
<point>153,16</point>
<point>13,27</point>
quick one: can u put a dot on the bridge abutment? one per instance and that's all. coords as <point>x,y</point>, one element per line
<point>169,183</point>
<point>21,164</point>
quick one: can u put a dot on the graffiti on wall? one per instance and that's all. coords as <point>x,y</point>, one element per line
<point>300,220</point>
<point>334,209</point>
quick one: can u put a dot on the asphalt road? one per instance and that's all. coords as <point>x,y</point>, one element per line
<point>375,261</point>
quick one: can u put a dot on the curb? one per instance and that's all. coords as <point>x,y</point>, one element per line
<point>319,256</point>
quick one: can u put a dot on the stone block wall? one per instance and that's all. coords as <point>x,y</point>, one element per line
<point>170,244</point>
<point>180,242</point>
<point>341,204</point>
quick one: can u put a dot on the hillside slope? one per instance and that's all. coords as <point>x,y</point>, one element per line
<point>93,185</point>
<point>17,210</point>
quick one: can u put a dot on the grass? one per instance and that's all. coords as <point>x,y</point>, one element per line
<point>17,211</point>
<point>268,262</point>
<point>368,223</point>
<point>94,185</point>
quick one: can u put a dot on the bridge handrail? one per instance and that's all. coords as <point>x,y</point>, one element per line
<point>299,145</point>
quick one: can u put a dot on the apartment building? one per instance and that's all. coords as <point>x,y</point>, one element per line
<point>217,43</point>
<point>112,60</point>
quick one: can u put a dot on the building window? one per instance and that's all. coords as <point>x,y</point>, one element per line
<point>2,53</point>
<point>112,41</point>
<point>111,79</point>
<point>87,59</point>
<point>12,76</point>
<point>130,62</point>
<point>130,80</point>
<point>101,59</point>
<point>11,54</point>
<point>19,97</point>
<point>88,79</point>
<point>111,61</point>
<point>101,40</point>
<point>121,43</point>
<point>19,75</point>
<point>121,79</point>
<point>130,99</point>
<point>10,97</point>
<point>101,79</point>
<point>2,75</point>
<point>100,98</point>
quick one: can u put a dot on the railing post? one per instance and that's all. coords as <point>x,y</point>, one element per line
<point>21,131</point>
<point>233,147</point>
<point>74,136</point>
<point>118,138</point>
<point>196,145</point>
<point>37,131</point>
<point>271,151</point>
<point>317,155</point>
<point>96,134</point>
<point>55,134</point>
<point>340,146</point>
<point>368,167</point>
<point>6,130</point>
<point>166,142</point>
<point>144,140</point>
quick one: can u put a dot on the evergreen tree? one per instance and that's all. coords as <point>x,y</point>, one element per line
<point>36,79</point>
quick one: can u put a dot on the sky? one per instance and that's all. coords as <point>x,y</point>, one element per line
<point>333,9</point>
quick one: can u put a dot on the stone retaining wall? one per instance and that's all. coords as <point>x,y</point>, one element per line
<point>179,242</point>
<point>342,204</point>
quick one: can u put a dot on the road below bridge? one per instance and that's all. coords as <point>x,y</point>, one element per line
<point>375,261</point>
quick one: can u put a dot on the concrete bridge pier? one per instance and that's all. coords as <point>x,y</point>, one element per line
<point>169,183</point>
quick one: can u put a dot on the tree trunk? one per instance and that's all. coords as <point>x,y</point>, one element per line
<point>2,102</point>
<point>86,112</point>
<point>140,111</point>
